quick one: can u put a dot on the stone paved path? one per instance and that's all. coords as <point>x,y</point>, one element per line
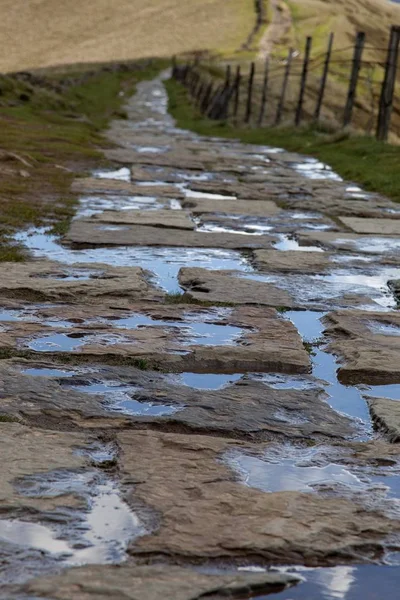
<point>200,385</point>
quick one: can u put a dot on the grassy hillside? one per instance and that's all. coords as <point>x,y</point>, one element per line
<point>293,20</point>
<point>38,33</point>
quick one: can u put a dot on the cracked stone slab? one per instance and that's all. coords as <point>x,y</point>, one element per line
<point>93,185</point>
<point>372,226</point>
<point>257,208</point>
<point>248,409</point>
<point>47,280</point>
<point>174,219</point>
<point>291,261</point>
<point>230,286</point>
<point>385,414</point>
<point>266,341</point>
<point>156,582</point>
<point>91,233</point>
<point>183,475</point>
<point>368,344</point>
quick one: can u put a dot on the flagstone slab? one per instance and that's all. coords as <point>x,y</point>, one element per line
<point>173,219</point>
<point>86,232</point>
<point>368,344</point>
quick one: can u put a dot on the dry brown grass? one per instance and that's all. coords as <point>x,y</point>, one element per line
<point>40,33</point>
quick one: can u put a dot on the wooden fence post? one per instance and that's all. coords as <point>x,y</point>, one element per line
<point>214,102</point>
<point>281,102</point>
<point>206,98</point>
<point>237,91</point>
<point>250,93</point>
<point>389,82</point>
<point>355,71</point>
<point>324,78</point>
<point>223,113</point>
<point>264,93</point>
<point>228,75</point>
<point>199,92</point>
<point>303,81</point>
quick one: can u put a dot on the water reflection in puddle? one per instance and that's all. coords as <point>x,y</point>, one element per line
<point>314,169</point>
<point>194,328</point>
<point>287,382</point>
<point>164,262</point>
<point>151,149</point>
<point>365,582</point>
<point>207,195</point>
<point>63,342</point>
<point>371,245</point>
<point>120,398</point>
<point>379,328</point>
<point>345,399</point>
<point>206,381</point>
<point>99,535</point>
<point>332,287</point>
<point>32,535</point>
<point>288,243</point>
<point>123,174</point>
<point>93,205</point>
<point>283,472</point>
<point>47,372</point>
<point>244,230</point>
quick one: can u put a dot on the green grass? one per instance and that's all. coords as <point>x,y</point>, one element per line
<point>361,159</point>
<point>8,419</point>
<point>50,131</point>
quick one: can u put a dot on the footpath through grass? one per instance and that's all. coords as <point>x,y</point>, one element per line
<point>50,131</point>
<point>361,159</point>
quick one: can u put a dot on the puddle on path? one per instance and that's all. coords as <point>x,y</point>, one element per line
<point>32,535</point>
<point>47,372</point>
<point>205,381</point>
<point>289,243</point>
<point>93,205</point>
<point>314,289</point>
<point>197,328</point>
<point>344,399</point>
<point>317,469</point>
<point>71,342</point>
<point>372,245</point>
<point>365,582</point>
<point>164,262</point>
<point>99,535</point>
<point>206,195</point>
<point>314,169</point>
<point>283,472</point>
<point>121,398</point>
<point>151,149</point>
<point>379,328</point>
<point>243,229</point>
<point>123,174</point>
<point>286,382</point>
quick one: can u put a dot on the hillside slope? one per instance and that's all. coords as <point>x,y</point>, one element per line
<point>39,33</point>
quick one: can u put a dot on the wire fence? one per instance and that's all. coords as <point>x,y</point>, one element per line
<point>340,87</point>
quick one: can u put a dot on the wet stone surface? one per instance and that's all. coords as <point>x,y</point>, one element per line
<point>199,385</point>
